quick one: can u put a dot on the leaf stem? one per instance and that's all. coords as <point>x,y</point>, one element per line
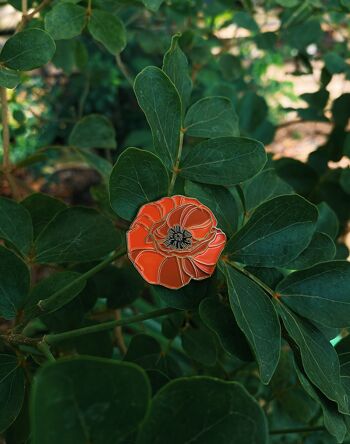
<point>45,305</point>
<point>177,163</point>
<point>5,130</point>
<point>252,277</point>
<point>24,7</point>
<point>55,338</point>
<point>45,350</point>
<point>123,69</point>
<point>296,430</point>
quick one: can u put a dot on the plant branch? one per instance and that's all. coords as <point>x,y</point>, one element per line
<point>27,17</point>
<point>124,70</point>
<point>297,430</point>
<point>177,163</point>
<point>46,305</point>
<point>5,130</point>
<point>59,337</point>
<point>45,350</point>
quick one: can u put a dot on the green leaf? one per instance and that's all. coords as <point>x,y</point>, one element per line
<point>335,63</point>
<point>27,50</point>
<point>320,293</point>
<point>257,318</point>
<point>146,352</point>
<point>320,249</point>
<point>42,292</point>
<point>160,101</point>
<point>101,165</point>
<point>152,5</point>
<point>184,298</point>
<point>137,177</point>
<point>252,111</point>
<point>333,420</point>
<point>15,225</point>
<point>175,65</point>
<point>223,161</point>
<point>199,343</point>
<point>219,318</point>
<point>11,390</point>
<point>212,117</point>
<point>76,235</point>
<point>8,78</point>
<point>103,401</point>
<point>93,131</point>
<point>327,221</point>
<point>276,233</point>
<point>113,283</point>
<point>297,174</point>
<point>220,201</point>
<point>203,410</point>
<point>264,186</point>
<point>319,359</point>
<point>15,279</point>
<point>108,29</point>
<point>65,21</point>
<point>42,209</point>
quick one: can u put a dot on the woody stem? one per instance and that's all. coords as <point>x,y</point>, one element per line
<point>177,163</point>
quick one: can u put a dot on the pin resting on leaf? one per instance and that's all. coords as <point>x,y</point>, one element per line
<point>174,240</point>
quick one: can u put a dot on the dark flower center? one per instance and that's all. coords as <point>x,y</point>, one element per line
<point>178,238</point>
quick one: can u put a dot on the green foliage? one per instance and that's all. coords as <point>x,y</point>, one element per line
<point>243,354</point>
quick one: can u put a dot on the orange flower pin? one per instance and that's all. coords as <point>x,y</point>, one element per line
<point>174,240</point>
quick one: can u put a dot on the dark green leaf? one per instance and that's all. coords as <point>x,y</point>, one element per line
<point>297,174</point>
<point>270,276</point>
<point>212,117</point>
<point>175,65</point>
<point>332,419</point>
<point>252,111</point>
<point>223,161</point>
<point>262,187</point>
<point>185,298</point>
<point>200,344</point>
<point>257,318</point>
<point>320,360</point>
<point>219,318</point>
<point>8,78</point>
<point>160,101</point>
<point>27,50</point>
<point>65,21</point>
<point>11,390</point>
<point>42,209</point>
<point>15,225</point>
<point>320,249</point>
<point>320,293</point>
<point>76,235</point>
<point>327,221</point>
<point>220,201</point>
<point>93,131</point>
<point>138,177</point>
<point>345,180</point>
<point>14,287</point>
<point>107,29</point>
<point>335,63</point>
<point>203,410</point>
<point>276,233</point>
<point>97,162</point>
<point>88,400</point>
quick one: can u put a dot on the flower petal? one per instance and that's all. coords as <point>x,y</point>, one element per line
<point>138,239</point>
<point>167,204</point>
<point>148,264</point>
<point>152,210</point>
<point>171,274</point>
<point>211,255</point>
<point>192,270</point>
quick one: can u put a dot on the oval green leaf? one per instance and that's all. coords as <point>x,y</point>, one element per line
<point>108,29</point>
<point>93,131</point>
<point>65,21</point>
<point>138,177</point>
<point>203,410</point>
<point>27,50</point>
<point>223,161</point>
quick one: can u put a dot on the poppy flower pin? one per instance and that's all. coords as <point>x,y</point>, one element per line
<point>174,240</point>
